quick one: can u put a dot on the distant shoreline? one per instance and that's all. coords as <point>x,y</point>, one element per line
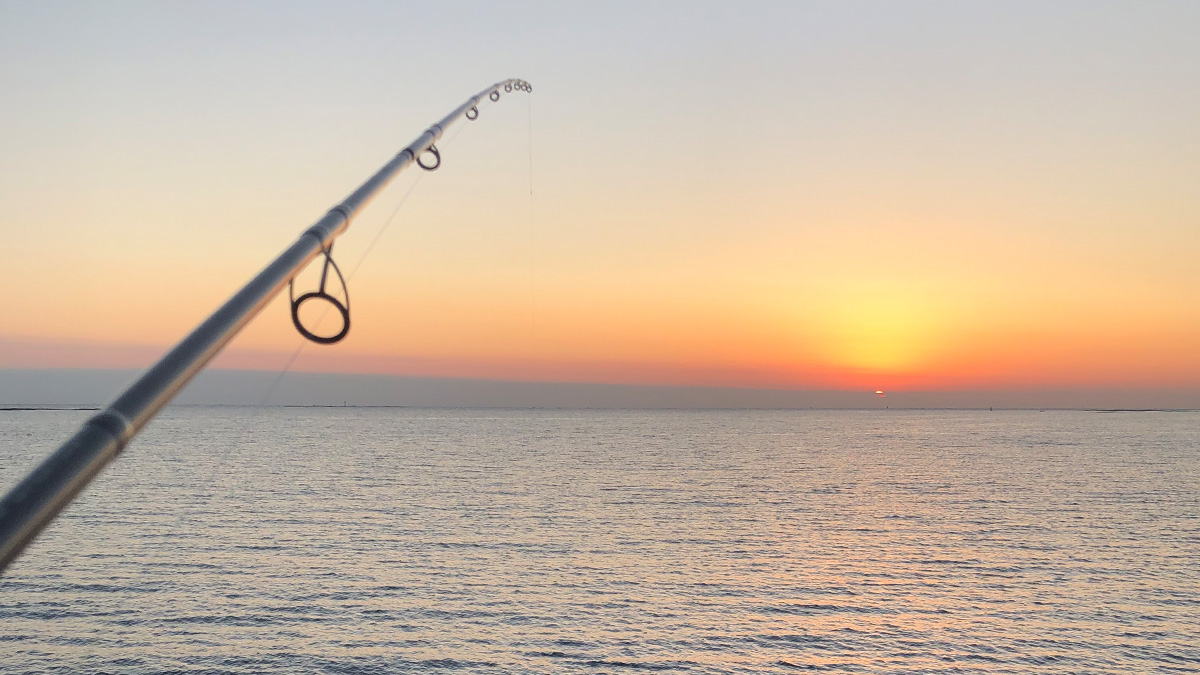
<point>44,407</point>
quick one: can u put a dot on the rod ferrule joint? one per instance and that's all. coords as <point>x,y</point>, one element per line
<point>114,424</point>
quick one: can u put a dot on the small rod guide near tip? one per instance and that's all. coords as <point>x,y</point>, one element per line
<point>37,499</point>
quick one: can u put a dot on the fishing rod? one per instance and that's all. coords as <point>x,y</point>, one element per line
<point>36,500</point>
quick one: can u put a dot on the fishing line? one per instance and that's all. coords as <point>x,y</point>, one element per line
<point>403,199</point>
<point>378,235</point>
<point>532,231</point>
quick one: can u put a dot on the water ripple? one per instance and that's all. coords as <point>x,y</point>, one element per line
<point>239,541</point>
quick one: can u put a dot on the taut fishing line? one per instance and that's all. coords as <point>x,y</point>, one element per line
<point>304,339</point>
<point>532,232</point>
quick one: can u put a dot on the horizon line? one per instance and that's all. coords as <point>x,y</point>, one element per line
<point>1056,388</point>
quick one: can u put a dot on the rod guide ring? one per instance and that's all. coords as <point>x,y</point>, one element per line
<point>321,294</point>
<point>436,155</point>
<point>321,339</point>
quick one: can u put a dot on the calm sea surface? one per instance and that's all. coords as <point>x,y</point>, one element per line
<point>238,540</point>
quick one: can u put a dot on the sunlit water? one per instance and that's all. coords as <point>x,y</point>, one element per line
<point>237,540</point>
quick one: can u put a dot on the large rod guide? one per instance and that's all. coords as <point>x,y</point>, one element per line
<point>37,499</point>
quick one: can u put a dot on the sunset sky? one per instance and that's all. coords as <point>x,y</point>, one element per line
<point>809,195</point>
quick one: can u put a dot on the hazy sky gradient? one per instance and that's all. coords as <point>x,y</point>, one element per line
<point>844,195</point>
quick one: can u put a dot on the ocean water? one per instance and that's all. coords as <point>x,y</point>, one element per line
<point>344,540</point>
